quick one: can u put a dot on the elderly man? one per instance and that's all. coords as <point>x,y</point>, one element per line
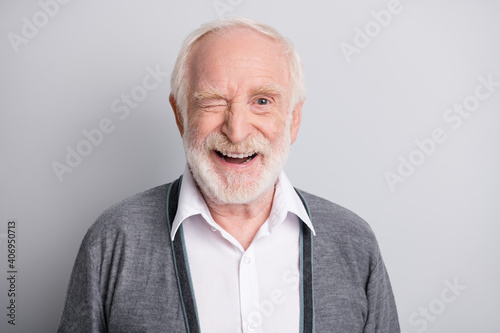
<point>231,246</point>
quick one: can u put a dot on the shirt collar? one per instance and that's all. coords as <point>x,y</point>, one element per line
<point>291,201</point>
<point>285,200</point>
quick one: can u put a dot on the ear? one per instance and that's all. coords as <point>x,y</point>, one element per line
<point>295,124</point>
<point>177,113</point>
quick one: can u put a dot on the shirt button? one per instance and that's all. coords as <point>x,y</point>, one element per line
<point>247,261</point>
<point>250,327</point>
<point>213,228</point>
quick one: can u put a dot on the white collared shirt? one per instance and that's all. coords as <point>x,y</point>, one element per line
<point>256,290</point>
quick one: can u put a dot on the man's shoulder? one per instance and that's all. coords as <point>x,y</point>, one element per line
<point>335,220</point>
<point>345,239</point>
<point>146,202</point>
<point>143,213</point>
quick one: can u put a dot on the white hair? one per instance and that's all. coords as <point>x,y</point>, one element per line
<point>179,82</point>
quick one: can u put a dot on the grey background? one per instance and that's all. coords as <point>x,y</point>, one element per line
<point>441,224</point>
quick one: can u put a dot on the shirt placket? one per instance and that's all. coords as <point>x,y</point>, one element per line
<point>251,317</point>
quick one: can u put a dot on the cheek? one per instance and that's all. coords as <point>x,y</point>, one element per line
<point>273,129</point>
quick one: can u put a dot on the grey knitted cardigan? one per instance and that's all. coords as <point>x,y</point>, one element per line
<point>130,277</point>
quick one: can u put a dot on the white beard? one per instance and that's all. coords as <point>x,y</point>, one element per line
<point>235,187</point>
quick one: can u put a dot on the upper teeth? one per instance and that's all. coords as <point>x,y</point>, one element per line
<point>233,155</point>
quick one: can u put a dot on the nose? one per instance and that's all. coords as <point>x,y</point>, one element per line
<point>237,126</point>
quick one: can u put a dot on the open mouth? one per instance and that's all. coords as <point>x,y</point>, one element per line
<point>236,158</point>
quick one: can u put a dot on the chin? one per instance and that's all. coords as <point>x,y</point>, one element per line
<point>239,186</point>
<point>236,189</point>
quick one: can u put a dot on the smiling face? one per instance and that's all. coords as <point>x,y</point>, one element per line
<point>238,127</point>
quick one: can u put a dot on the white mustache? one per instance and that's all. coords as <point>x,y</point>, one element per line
<point>255,143</point>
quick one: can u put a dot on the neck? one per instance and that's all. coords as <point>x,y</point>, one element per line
<point>242,221</point>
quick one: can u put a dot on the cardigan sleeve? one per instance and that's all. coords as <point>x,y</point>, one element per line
<point>83,310</point>
<point>382,312</point>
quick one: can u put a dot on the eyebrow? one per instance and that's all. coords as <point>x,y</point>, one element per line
<point>214,93</point>
<point>208,93</point>
<point>269,89</point>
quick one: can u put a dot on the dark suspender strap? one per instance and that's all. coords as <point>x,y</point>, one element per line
<point>306,275</point>
<point>181,262</point>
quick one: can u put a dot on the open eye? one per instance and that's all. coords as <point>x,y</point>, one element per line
<point>262,101</point>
